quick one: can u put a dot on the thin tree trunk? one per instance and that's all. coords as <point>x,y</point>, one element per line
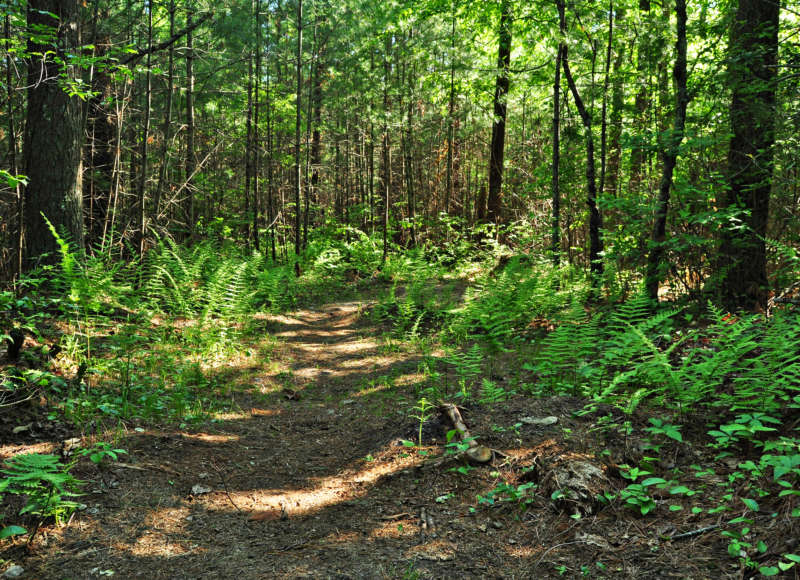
<point>494,201</point>
<point>12,151</point>
<point>450,110</point>
<point>145,141</point>
<point>191,163</point>
<point>387,169</point>
<point>162,172</point>
<point>642,103</point>
<point>248,148</point>
<point>298,122</point>
<point>606,79</point>
<point>595,219</point>
<point>256,140</point>
<point>670,156</point>
<point>615,132</point>
<point>556,232</point>
<point>312,73</point>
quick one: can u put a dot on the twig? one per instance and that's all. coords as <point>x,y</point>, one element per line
<point>694,532</point>
<point>224,482</point>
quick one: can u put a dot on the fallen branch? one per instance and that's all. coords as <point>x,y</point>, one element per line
<point>476,453</point>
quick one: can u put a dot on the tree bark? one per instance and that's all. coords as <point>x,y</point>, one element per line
<point>141,191</point>
<point>752,72</point>
<point>191,162</point>
<point>12,151</point>
<point>298,122</point>
<point>556,225</point>
<point>53,133</point>
<point>256,139</point>
<point>670,156</point>
<point>166,129</point>
<point>595,219</point>
<point>386,156</point>
<point>494,201</point>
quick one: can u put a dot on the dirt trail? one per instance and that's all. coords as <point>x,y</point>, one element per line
<point>310,480</point>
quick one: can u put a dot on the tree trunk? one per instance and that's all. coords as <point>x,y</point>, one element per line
<point>145,142</point>
<point>165,131</point>
<point>494,202</point>
<point>191,162</point>
<point>670,156</point>
<point>595,219</point>
<point>12,151</point>
<point>606,80</point>
<point>615,121</point>
<point>53,134</point>
<point>248,148</point>
<point>556,225</point>
<point>642,104</point>
<point>256,141</point>
<point>450,111</point>
<point>387,169</point>
<point>752,73</point>
<point>298,122</point>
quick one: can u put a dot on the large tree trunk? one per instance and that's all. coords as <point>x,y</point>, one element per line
<point>494,202</point>
<point>753,55</point>
<point>670,157</point>
<point>53,133</point>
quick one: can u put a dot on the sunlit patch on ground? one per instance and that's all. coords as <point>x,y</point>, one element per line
<point>517,551</point>
<point>400,528</point>
<point>325,492</point>
<point>7,451</point>
<point>209,438</point>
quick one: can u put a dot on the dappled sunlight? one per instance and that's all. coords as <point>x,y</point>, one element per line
<point>517,551</point>
<point>209,438</point>
<point>407,526</point>
<point>8,451</point>
<point>322,492</point>
<point>369,362</point>
<point>159,539</point>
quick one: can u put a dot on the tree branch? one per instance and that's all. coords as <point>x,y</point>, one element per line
<point>162,45</point>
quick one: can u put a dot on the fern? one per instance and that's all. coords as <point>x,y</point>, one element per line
<point>46,483</point>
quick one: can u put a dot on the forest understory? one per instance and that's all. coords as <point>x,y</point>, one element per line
<point>312,443</point>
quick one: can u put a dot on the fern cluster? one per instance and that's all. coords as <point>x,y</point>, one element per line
<point>499,306</point>
<point>630,354</point>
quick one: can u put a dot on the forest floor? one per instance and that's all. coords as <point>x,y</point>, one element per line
<point>310,477</point>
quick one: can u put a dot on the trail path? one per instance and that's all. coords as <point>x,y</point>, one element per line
<point>310,480</point>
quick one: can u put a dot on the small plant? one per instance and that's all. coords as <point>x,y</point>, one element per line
<point>635,494</point>
<point>46,483</point>
<point>423,413</point>
<point>101,453</point>
<point>659,427</point>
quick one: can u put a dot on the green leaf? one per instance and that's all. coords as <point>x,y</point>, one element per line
<point>751,503</point>
<point>769,570</point>
<point>9,531</point>
<point>653,481</point>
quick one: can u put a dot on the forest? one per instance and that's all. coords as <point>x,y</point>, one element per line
<point>442,288</point>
